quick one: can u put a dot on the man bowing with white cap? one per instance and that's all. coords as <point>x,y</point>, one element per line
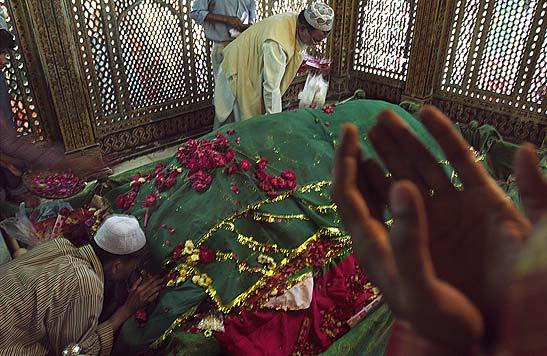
<point>262,62</point>
<point>53,295</point>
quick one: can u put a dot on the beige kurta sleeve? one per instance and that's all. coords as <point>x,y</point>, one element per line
<point>275,61</point>
<point>79,324</point>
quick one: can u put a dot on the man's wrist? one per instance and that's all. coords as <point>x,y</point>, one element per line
<point>126,311</point>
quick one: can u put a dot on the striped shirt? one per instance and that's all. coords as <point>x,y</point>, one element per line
<point>51,297</point>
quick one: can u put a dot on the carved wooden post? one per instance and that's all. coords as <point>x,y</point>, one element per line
<point>52,54</point>
<point>341,44</point>
<point>430,36</point>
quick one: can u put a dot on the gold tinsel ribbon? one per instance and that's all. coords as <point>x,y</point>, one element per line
<point>228,224</point>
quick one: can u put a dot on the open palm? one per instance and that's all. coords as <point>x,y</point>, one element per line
<point>449,248</point>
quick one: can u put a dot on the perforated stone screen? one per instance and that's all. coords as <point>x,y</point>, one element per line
<point>497,53</point>
<point>384,37</point>
<point>26,115</point>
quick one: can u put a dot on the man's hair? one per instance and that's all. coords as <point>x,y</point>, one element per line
<point>302,21</point>
<point>6,41</point>
<point>106,257</point>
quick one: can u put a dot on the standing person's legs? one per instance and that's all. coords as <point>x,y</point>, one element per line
<point>217,55</point>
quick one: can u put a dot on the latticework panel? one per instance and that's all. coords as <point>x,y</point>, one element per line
<point>497,54</point>
<point>146,59</point>
<point>384,37</point>
<point>143,60</point>
<point>26,116</point>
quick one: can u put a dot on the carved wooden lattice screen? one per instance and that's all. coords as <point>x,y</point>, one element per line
<point>144,61</point>
<point>383,40</point>
<point>495,68</point>
<point>26,115</point>
<point>147,68</point>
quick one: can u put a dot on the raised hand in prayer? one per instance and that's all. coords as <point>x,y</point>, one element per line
<point>443,264</point>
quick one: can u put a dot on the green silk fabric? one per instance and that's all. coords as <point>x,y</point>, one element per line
<point>303,141</point>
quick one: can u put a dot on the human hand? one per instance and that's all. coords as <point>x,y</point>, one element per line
<point>82,165</point>
<point>12,164</point>
<point>399,262</point>
<point>236,23</point>
<point>531,183</point>
<point>473,232</point>
<point>244,27</point>
<point>143,292</point>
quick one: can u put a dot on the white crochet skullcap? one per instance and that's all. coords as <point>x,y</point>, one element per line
<point>120,235</point>
<point>320,16</point>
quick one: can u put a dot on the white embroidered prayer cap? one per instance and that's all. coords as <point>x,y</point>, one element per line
<point>320,16</point>
<point>120,235</point>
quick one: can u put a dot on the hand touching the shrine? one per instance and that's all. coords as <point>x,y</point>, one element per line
<point>143,292</point>
<point>473,233</point>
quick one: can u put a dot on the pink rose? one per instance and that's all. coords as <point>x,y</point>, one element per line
<point>120,201</point>
<point>200,180</point>
<point>220,140</point>
<point>277,182</point>
<point>177,252</point>
<point>141,316</point>
<point>150,200</point>
<point>289,175</point>
<point>159,167</point>
<point>265,185</point>
<point>231,132</point>
<point>234,188</point>
<point>125,201</point>
<point>262,163</point>
<point>218,159</point>
<point>229,155</point>
<point>170,181</point>
<point>245,165</point>
<point>290,184</point>
<point>261,175</point>
<point>206,255</point>
<point>232,169</point>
